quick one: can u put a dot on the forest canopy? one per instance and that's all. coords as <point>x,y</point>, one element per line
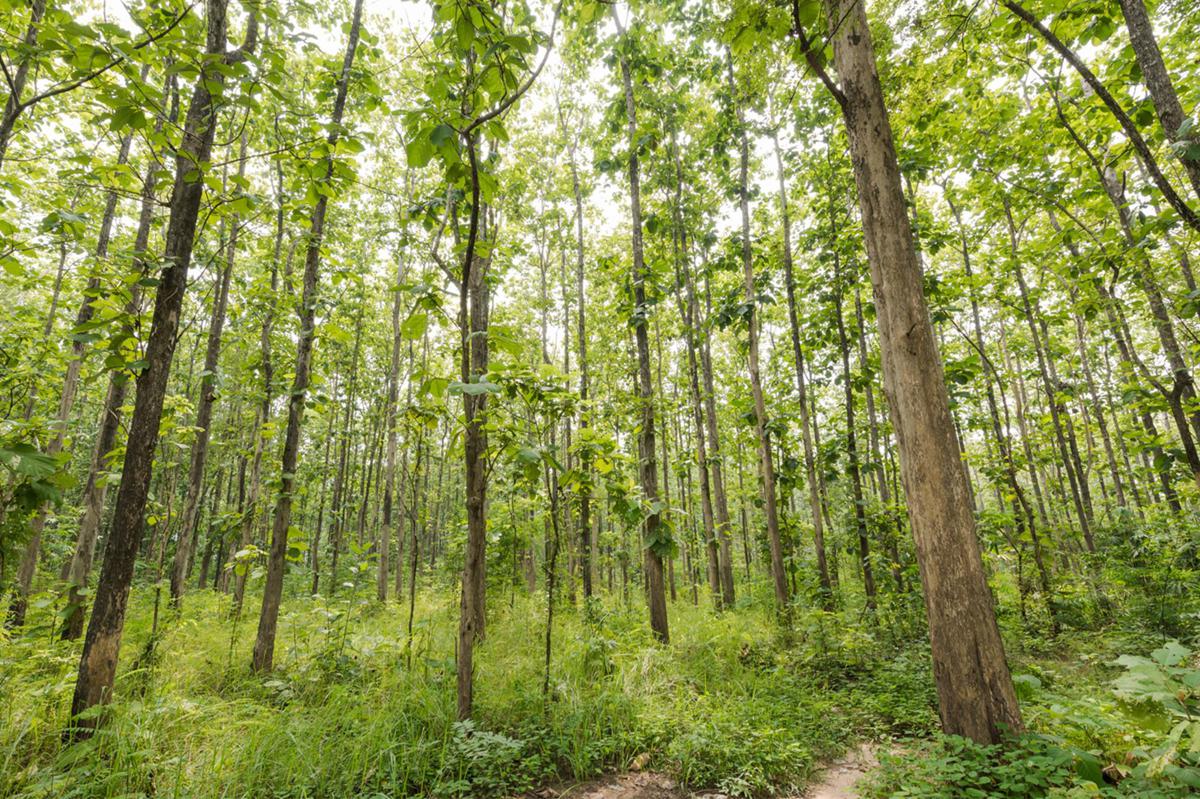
<point>473,398</point>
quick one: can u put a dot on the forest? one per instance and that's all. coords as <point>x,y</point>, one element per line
<point>632,399</point>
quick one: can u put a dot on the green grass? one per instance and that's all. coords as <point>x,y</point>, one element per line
<point>353,710</point>
<point>346,715</point>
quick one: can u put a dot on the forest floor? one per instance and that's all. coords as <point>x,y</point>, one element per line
<point>838,780</point>
<point>357,708</point>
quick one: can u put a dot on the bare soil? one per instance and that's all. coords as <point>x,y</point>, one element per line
<point>837,781</point>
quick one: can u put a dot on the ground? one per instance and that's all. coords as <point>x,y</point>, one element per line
<point>837,781</point>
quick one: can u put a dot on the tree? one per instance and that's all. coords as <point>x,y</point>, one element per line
<point>98,663</point>
<point>264,643</point>
<point>656,536</point>
<point>975,694</point>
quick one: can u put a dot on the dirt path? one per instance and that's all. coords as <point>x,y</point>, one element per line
<point>836,781</point>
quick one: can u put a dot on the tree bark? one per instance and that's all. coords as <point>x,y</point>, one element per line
<point>98,663</point>
<point>975,691</point>
<point>264,644</point>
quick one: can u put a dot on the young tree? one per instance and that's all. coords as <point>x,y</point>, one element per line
<point>656,535</point>
<point>264,642</point>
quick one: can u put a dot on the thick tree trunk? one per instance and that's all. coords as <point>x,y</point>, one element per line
<point>975,691</point>
<point>98,664</point>
<point>264,643</point>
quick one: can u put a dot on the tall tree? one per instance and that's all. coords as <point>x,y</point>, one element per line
<point>98,663</point>
<point>656,536</point>
<point>264,642</point>
<point>975,692</point>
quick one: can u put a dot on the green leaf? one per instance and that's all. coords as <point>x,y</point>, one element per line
<point>474,389</point>
<point>419,151</point>
<point>414,326</point>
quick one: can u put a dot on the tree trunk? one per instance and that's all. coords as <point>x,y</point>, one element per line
<point>33,546</point>
<point>721,502</point>
<point>98,663</point>
<point>655,537</point>
<point>1157,80</point>
<point>204,409</point>
<point>389,474</point>
<point>20,76</point>
<point>264,643</point>
<point>345,473</point>
<point>975,691</point>
<point>80,566</point>
<point>765,458</point>
<point>810,472</point>
<point>585,497</point>
<point>250,511</point>
<point>860,511</point>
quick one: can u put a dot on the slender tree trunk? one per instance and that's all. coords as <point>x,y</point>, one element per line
<point>340,508</point>
<point>1022,512</point>
<point>585,497</point>
<point>94,494</point>
<point>860,512</point>
<point>1157,80</point>
<point>264,643</point>
<point>20,76</point>
<point>389,478</point>
<point>1130,129</point>
<point>810,472</point>
<point>765,457</point>
<point>1050,386</point>
<point>655,536</point>
<point>261,430</point>
<point>204,408</point>
<point>873,438</point>
<point>66,403</point>
<point>716,463</point>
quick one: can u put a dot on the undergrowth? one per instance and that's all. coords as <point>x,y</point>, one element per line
<point>353,710</point>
